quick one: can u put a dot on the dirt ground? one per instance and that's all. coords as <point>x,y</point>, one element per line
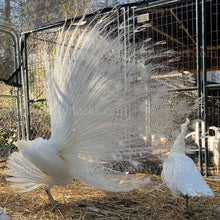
<point>80,201</point>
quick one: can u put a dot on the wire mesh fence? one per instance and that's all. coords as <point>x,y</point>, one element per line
<point>8,120</point>
<point>174,26</point>
<point>39,111</point>
<point>7,56</point>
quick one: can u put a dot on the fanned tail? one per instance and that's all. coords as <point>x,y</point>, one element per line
<point>95,102</point>
<point>99,89</point>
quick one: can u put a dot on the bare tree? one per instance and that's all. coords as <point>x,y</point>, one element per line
<point>7,11</point>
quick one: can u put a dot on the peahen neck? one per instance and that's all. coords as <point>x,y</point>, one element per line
<point>179,143</point>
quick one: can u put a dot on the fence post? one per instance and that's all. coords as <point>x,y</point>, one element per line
<point>24,74</point>
<point>198,67</point>
<point>205,81</point>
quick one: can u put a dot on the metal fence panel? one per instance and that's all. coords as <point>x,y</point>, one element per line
<point>11,127</point>
<point>9,124</point>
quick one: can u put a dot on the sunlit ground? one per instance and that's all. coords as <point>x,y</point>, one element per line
<point>80,201</point>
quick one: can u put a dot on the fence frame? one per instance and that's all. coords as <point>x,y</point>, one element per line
<point>19,97</point>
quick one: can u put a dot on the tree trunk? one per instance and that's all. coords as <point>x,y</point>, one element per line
<point>7,11</point>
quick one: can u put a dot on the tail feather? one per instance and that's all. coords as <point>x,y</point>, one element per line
<point>20,164</point>
<point>94,98</point>
<point>24,173</point>
<point>21,144</point>
<point>26,187</point>
<point>87,86</point>
<point>95,174</point>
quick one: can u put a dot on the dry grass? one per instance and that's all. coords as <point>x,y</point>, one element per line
<point>80,201</point>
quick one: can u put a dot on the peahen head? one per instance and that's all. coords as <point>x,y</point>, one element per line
<point>185,126</point>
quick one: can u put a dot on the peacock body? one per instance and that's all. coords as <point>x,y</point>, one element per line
<point>95,112</point>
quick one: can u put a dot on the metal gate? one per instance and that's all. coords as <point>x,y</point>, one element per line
<point>11,105</point>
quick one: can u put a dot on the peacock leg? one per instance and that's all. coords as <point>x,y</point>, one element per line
<point>187,203</point>
<point>50,197</point>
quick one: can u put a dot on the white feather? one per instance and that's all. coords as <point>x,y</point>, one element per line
<point>180,173</point>
<point>90,109</point>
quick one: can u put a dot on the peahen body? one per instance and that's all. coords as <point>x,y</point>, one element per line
<point>180,173</point>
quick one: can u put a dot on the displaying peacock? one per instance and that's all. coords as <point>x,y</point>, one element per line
<point>97,87</point>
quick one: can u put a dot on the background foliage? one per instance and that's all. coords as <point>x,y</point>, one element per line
<point>28,14</point>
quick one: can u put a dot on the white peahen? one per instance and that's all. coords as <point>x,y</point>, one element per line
<point>180,173</point>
